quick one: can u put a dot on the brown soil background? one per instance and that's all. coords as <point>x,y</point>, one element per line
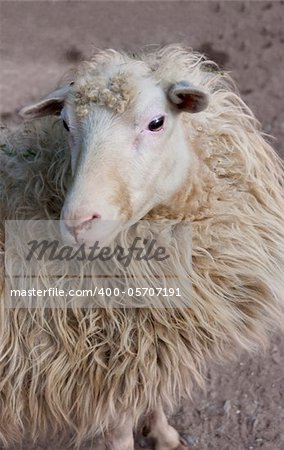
<point>243,408</point>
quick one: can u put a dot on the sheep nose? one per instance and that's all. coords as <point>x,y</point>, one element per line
<point>76,226</point>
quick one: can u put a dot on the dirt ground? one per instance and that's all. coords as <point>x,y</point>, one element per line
<point>243,408</point>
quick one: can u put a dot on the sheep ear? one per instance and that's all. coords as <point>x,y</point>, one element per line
<point>188,97</point>
<point>49,106</point>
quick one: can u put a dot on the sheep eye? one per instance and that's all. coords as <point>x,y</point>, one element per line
<point>157,123</point>
<point>65,125</point>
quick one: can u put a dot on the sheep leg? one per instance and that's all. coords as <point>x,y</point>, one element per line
<point>162,433</point>
<point>121,437</point>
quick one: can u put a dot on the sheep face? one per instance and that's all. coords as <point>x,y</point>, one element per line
<point>129,152</point>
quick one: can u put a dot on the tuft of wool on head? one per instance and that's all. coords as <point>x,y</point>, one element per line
<point>107,80</point>
<point>114,93</point>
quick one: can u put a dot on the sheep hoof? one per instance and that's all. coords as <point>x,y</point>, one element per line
<point>183,444</point>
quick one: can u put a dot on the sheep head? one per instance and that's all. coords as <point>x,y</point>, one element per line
<point>128,146</point>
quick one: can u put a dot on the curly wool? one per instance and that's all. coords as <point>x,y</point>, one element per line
<point>108,80</point>
<point>114,94</point>
<point>79,369</point>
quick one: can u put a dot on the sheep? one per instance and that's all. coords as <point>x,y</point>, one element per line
<point>149,142</point>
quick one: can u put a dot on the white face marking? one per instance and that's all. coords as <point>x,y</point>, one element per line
<point>121,169</point>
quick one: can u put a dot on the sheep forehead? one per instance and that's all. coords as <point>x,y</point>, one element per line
<point>113,86</point>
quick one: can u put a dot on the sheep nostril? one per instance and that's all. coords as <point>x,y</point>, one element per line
<point>75,226</point>
<point>86,223</point>
<point>96,216</point>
